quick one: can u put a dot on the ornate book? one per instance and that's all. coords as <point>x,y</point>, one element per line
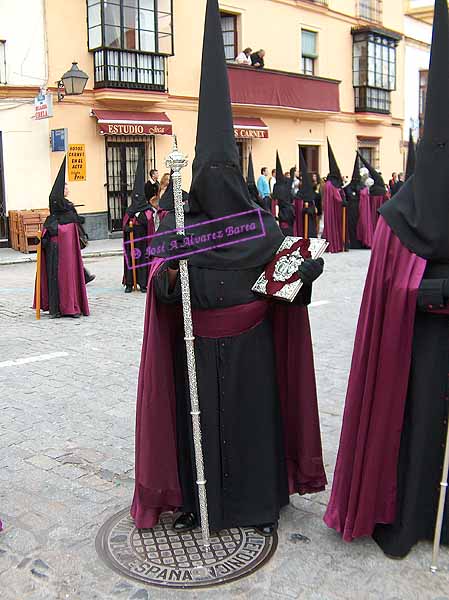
<point>281,278</point>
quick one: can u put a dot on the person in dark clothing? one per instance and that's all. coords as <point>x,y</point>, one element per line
<point>152,185</point>
<point>251,182</point>
<point>257,59</point>
<point>255,455</point>
<point>304,203</point>
<point>398,185</point>
<point>389,467</point>
<point>140,214</point>
<point>352,192</point>
<point>283,196</point>
<point>63,277</point>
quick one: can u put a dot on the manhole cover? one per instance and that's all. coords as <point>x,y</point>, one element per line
<point>164,558</point>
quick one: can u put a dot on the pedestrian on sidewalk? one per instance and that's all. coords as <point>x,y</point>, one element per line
<point>63,278</point>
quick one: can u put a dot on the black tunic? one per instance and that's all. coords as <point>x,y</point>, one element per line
<point>140,229</point>
<point>241,422</point>
<point>353,199</point>
<point>425,426</point>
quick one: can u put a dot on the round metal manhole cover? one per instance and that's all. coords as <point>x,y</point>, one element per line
<point>164,558</point>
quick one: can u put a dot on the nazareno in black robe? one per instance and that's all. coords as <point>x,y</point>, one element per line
<point>423,438</point>
<point>241,421</point>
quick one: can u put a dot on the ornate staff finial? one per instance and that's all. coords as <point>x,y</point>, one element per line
<point>176,160</point>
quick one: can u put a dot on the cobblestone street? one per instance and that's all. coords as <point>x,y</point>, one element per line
<point>67,404</point>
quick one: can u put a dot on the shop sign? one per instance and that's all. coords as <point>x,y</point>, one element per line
<point>76,161</point>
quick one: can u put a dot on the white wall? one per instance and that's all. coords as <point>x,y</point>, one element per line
<point>22,26</point>
<point>25,140</point>
<point>26,157</point>
<point>417,56</point>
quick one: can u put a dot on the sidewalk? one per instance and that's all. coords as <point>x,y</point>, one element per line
<point>113,247</point>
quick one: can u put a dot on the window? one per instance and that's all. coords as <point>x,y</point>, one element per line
<point>229,29</point>
<point>2,61</point>
<point>132,70</point>
<point>423,80</point>
<point>374,70</point>
<point>369,149</point>
<point>138,25</point>
<point>312,158</point>
<point>371,10</point>
<point>309,51</point>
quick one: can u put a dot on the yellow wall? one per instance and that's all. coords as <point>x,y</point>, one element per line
<point>272,24</point>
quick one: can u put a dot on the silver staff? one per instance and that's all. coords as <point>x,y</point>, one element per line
<point>177,161</point>
<point>441,507</point>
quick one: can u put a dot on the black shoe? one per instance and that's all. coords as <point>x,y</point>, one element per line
<point>90,278</point>
<point>55,315</point>
<point>128,289</point>
<point>266,530</point>
<point>78,316</point>
<point>143,290</point>
<point>185,522</point>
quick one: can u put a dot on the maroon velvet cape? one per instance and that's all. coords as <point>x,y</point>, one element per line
<point>333,218</point>
<point>365,481</point>
<point>365,225</point>
<point>376,203</point>
<point>71,282</point>
<point>150,218</point>
<point>157,485</point>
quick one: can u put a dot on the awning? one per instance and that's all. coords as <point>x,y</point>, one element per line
<point>119,122</point>
<point>246,127</point>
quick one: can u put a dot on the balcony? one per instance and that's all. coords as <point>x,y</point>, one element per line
<point>278,89</point>
<point>370,10</point>
<point>421,9</point>
<point>125,69</point>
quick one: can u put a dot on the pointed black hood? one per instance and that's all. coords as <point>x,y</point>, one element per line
<point>411,157</point>
<point>356,179</point>
<point>306,193</point>
<point>218,188</point>
<point>138,200</point>
<point>378,188</point>
<point>282,192</point>
<point>334,172</point>
<point>167,201</point>
<point>251,180</point>
<point>57,202</point>
<point>419,213</point>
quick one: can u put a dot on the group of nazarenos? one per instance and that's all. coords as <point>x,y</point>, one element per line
<point>260,427</point>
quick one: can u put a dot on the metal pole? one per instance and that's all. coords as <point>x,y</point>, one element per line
<point>175,162</point>
<point>133,255</point>
<point>344,228</point>
<point>441,507</point>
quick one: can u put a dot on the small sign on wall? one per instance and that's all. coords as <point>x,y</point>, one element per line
<point>77,162</point>
<point>59,140</point>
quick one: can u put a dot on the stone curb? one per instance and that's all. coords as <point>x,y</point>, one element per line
<point>30,259</point>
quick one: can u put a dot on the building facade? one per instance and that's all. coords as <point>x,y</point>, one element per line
<point>333,69</point>
<point>24,149</point>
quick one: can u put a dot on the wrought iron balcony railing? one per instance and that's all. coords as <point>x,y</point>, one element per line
<point>130,70</point>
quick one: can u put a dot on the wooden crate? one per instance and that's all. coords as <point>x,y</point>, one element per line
<point>29,223</point>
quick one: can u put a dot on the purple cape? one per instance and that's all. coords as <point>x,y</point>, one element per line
<point>71,281</point>
<point>333,217</point>
<point>365,225</point>
<point>376,203</point>
<point>365,480</point>
<point>157,487</point>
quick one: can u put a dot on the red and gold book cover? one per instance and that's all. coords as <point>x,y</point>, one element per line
<point>281,278</point>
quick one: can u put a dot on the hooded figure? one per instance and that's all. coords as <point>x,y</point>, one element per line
<point>63,277</point>
<point>333,203</point>
<point>389,466</point>
<point>411,157</point>
<point>365,224</point>
<point>139,218</point>
<point>378,190</point>
<point>283,196</point>
<point>352,192</point>
<point>251,183</point>
<point>260,426</point>
<point>304,203</point>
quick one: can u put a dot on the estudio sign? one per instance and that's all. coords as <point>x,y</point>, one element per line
<point>130,128</point>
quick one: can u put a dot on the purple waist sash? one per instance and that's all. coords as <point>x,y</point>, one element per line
<point>229,322</point>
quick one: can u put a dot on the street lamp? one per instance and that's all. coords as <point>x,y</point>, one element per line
<point>72,83</point>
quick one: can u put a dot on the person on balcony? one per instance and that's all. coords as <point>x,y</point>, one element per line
<point>257,59</point>
<point>244,58</point>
